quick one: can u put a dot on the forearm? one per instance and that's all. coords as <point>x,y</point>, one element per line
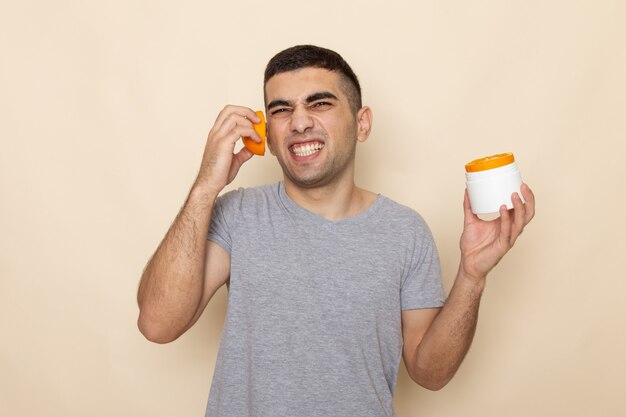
<point>445,344</point>
<point>172,283</point>
<point>433,359</point>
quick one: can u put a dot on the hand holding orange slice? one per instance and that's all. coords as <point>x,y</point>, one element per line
<point>257,148</point>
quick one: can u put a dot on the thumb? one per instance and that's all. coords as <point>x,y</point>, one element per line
<point>238,160</point>
<point>468,215</point>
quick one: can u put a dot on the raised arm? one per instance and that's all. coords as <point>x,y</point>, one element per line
<point>436,341</point>
<point>186,270</point>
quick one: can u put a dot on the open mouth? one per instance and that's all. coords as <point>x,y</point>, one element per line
<point>306,149</point>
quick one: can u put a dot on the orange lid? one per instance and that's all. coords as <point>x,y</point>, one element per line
<point>490,162</point>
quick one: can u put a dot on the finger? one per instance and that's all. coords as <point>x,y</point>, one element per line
<point>469,216</point>
<point>238,131</point>
<point>226,124</point>
<point>505,225</point>
<point>231,122</point>
<point>519,215</point>
<point>241,111</point>
<point>243,125</point>
<point>529,197</point>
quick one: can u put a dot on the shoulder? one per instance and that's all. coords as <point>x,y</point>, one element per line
<point>403,224</point>
<point>248,193</point>
<point>250,198</point>
<point>401,215</point>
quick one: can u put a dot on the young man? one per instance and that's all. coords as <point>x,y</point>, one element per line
<point>329,284</point>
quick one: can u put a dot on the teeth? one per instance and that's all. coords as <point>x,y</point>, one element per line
<point>308,149</point>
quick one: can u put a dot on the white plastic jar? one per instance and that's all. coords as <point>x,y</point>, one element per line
<point>491,181</point>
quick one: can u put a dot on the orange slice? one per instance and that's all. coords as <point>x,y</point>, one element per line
<point>257,148</point>
<point>490,162</point>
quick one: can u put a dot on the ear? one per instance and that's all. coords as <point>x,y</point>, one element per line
<point>364,119</point>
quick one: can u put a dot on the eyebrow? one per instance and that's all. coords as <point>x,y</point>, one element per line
<point>277,103</point>
<point>320,96</point>
<point>310,99</point>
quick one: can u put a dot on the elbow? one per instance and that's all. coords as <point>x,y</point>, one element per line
<point>155,333</point>
<point>434,384</point>
<point>431,379</point>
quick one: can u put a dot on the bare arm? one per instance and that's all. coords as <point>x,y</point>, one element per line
<point>436,343</point>
<point>186,270</point>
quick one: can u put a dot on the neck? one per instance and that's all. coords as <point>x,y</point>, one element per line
<point>335,201</point>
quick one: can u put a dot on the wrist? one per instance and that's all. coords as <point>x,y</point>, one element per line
<point>476,280</point>
<point>203,193</point>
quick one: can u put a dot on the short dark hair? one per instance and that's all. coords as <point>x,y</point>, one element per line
<point>310,56</point>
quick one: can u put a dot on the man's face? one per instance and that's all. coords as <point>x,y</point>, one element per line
<point>311,129</point>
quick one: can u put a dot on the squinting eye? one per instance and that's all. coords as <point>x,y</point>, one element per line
<point>321,104</point>
<point>278,111</point>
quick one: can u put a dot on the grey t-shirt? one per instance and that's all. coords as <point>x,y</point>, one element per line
<point>313,326</point>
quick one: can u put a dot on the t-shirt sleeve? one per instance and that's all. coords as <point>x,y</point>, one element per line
<point>223,220</point>
<point>422,286</point>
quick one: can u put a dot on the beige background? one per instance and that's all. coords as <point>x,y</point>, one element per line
<point>105,107</point>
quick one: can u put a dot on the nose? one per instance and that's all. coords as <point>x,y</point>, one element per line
<point>301,120</point>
